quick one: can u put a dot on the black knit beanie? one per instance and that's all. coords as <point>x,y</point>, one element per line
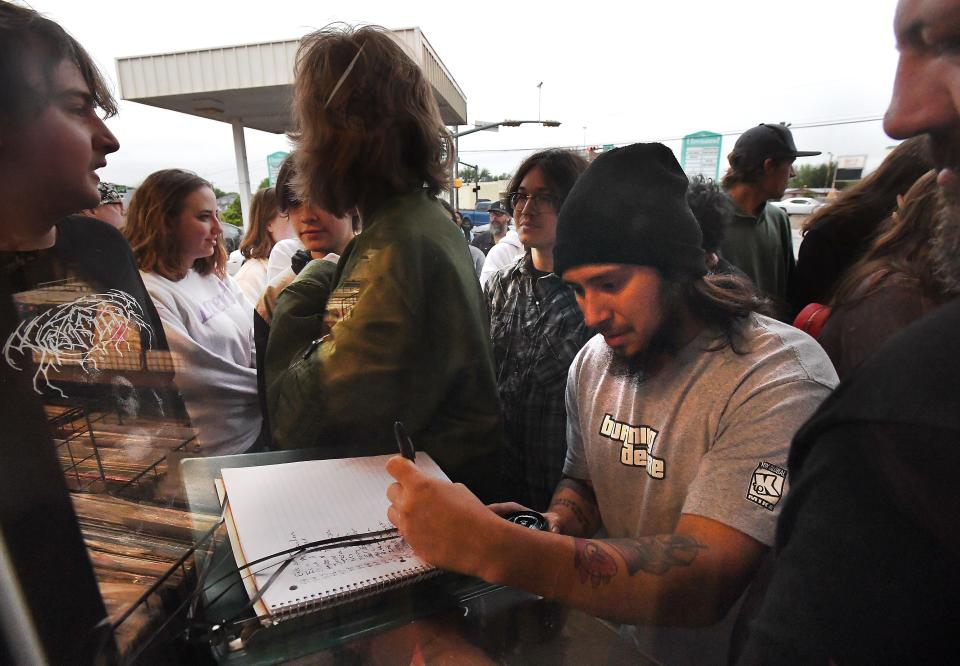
<point>630,207</point>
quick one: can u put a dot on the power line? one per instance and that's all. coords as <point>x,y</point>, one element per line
<point>818,123</point>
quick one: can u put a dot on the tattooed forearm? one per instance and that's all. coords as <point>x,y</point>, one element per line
<point>593,563</point>
<point>657,554</point>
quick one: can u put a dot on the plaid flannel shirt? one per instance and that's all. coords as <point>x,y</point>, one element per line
<point>537,329</point>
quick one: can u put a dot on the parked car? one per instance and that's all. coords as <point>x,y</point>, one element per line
<point>798,205</point>
<point>479,215</point>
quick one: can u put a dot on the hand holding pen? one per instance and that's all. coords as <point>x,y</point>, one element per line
<point>404,442</point>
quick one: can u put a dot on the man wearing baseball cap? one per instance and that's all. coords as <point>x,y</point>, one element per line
<point>498,223</point>
<point>508,247</point>
<point>679,416</point>
<point>759,241</point>
<point>110,209</point>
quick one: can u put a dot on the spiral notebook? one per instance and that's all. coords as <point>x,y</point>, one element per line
<point>274,508</point>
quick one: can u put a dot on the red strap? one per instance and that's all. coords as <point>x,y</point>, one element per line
<point>812,318</point>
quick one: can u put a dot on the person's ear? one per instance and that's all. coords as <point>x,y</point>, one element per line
<point>769,165</point>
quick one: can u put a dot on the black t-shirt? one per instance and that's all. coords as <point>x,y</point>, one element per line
<point>867,552</point>
<point>89,333</point>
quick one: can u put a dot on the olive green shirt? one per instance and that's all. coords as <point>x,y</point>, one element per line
<point>762,247</point>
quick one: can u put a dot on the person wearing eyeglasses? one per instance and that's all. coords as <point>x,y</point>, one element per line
<point>536,328</point>
<point>507,246</point>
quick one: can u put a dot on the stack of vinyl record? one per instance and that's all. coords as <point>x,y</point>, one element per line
<point>132,546</point>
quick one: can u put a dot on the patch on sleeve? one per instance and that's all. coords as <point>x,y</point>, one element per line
<point>766,486</point>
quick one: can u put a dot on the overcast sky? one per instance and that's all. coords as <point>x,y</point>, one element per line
<point>639,71</point>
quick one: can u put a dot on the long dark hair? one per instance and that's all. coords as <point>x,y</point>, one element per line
<point>902,247</point>
<point>722,301</point>
<point>560,168</point>
<point>875,197</point>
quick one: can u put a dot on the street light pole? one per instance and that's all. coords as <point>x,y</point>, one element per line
<point>479,128</point>
<point>476,175</point>
<point>539,98</point>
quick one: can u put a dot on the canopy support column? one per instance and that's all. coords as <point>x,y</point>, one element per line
<point>243,172</point>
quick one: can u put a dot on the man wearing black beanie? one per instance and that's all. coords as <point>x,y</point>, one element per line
<point>680,413</point>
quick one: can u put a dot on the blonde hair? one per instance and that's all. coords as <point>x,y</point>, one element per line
<point>368,125</point>
<point>152,221</point>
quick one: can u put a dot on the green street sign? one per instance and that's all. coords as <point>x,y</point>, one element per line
<point>274,160</point>
<point>700,154</point>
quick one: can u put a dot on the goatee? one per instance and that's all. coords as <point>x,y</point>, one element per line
<point>665,341</point>
<point>945,244</point>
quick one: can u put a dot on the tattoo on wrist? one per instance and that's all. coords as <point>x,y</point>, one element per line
<point>657,554</point>
<point>578,488</point>
<point>593,563</point>
<point>574,509</point>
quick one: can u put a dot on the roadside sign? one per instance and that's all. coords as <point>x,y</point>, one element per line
<point>700,154</point>
<point>850,167</point>
<point>274,160</point>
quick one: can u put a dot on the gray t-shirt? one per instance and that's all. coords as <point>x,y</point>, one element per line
<point>708,435</point>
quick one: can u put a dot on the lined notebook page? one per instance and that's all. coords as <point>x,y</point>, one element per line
<point>277,507</point>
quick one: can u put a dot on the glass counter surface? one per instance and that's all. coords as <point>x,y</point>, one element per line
<point>447,619</point>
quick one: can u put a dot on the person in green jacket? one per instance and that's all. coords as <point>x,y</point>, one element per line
<point>404,335</point>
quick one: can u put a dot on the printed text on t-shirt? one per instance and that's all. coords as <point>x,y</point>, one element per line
<point>636,440</point>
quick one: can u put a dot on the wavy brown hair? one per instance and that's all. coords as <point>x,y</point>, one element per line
<point>368,126</point>
<point>258,242</point>
<point>903,246</point>
<point>152,220</point>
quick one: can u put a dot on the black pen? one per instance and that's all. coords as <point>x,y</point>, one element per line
<point>404,442</point>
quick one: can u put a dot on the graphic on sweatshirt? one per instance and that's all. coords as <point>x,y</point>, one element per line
<point>636,445</point>
<point>93,332</point>
<point>223,301</point>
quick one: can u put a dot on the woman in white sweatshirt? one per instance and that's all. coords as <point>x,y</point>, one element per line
<point>174,230</point>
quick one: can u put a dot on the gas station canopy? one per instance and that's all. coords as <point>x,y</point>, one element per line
<point>253,83</point>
